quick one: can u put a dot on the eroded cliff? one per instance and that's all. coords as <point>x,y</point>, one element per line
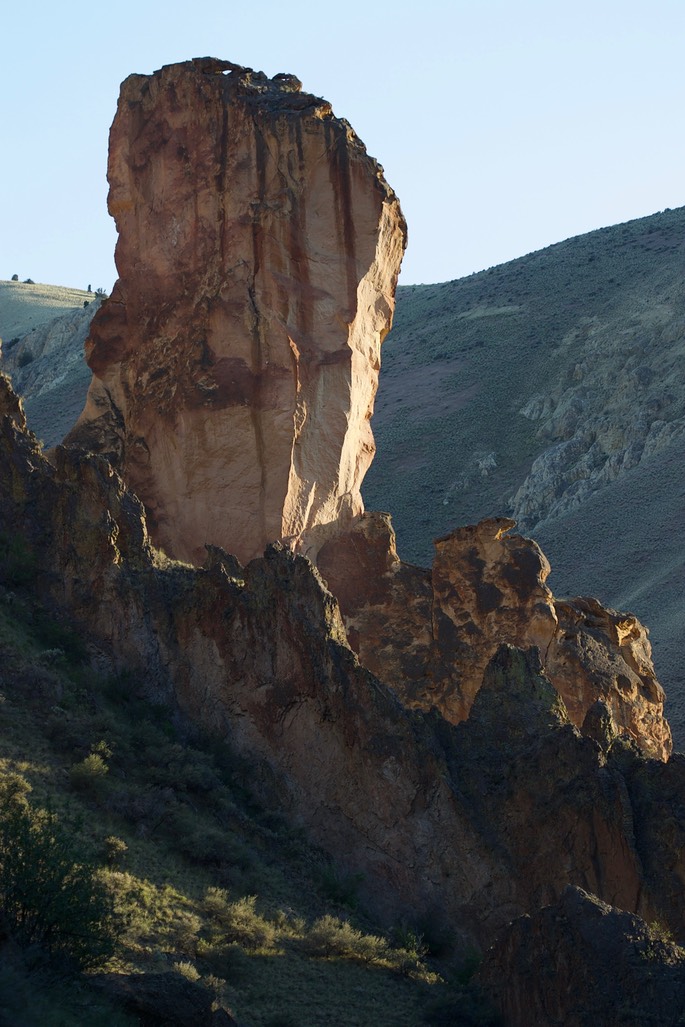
<point>236,362</point>
<point>480,821</point>
<point>431,634</point>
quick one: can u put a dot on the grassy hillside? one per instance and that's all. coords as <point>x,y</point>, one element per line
<point>209,880</point>
<point>26,305</point>
<point>550,389</point>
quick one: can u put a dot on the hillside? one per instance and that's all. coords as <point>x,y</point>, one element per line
<point>214,888</point>
<point>26,305</point>
<point>550,389</point>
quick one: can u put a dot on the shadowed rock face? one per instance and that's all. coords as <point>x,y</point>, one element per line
<point>236,362</point>
<point>582,962</point>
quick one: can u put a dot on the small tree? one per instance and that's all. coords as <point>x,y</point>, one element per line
<point>50,898</point>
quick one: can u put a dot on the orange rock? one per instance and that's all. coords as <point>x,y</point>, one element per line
<point>236,362</point>
<point>430,635</point>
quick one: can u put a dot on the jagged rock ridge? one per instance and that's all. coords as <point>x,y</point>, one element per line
<point>582,962</point>
<point>431,634</point>
<point>482,821</point>
<point>236,362</point>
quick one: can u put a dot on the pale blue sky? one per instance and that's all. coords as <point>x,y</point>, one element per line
<point>503,126</point>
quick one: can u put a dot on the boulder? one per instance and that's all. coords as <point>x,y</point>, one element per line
<point>580,962</point>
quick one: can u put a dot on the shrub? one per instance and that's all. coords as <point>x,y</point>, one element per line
<point>239,921</point>
<point>88,775</point>
<point>50,897</point>
<point>115,850</point>
<point>329,936</point>
<point>25,358</point>
<point>187,970</point>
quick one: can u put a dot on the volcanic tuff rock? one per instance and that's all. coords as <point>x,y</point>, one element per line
<point>236,362</point>
<point>482,821</point>
<point>581,962</point>
<point>549,389</point>
<point>431,634</point>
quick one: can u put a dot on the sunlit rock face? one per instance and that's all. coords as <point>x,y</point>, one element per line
<point>430,634</point>
<point>236,362</point>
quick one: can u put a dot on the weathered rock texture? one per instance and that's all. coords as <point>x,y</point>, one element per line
<point>581,962</point>
<point>236,362</point>
<point>430,634</point>
<point>481,821</point>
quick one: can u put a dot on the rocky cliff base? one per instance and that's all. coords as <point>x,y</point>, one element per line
<point>483,820</point>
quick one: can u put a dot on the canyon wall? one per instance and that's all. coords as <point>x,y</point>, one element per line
<point>430,634</point>
<point>476,822</point>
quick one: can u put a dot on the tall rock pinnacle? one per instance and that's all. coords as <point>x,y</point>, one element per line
<point>236,362</point>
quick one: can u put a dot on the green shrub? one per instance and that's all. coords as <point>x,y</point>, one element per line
<point>330,936</point>
<point>188,970</point>
<point>50,898</point>
<point>238,922</point>
<point>115,850</point>
<point>88,776</point>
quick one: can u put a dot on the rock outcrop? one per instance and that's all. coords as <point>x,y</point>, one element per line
<point>482,821</point>
<point>430,634</point>
<point>582,962</point>
<point>236,361</point>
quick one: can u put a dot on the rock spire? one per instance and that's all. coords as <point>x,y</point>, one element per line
<point>235,364</point>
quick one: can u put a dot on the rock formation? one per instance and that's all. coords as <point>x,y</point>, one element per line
<point>582,962</point>
<point>481,821</point>
<point>236,361</point>
<point>430,635</point>
<point>468,743</point>
<point>235,368</point>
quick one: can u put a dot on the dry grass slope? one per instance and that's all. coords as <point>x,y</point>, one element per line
<point>24,306</point>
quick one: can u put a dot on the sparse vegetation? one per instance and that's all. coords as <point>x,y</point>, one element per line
<point>200,875</point>
<point>51,898</point>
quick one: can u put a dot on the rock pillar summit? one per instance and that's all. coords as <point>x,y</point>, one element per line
<point>236,362</point>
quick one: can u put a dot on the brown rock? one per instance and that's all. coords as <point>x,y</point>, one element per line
<point>597,652</point>
<point>236,362</point>
<point>163,1000</point>
<point>481,821</point>
<point>581,962</point>
<point>430,635</point>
